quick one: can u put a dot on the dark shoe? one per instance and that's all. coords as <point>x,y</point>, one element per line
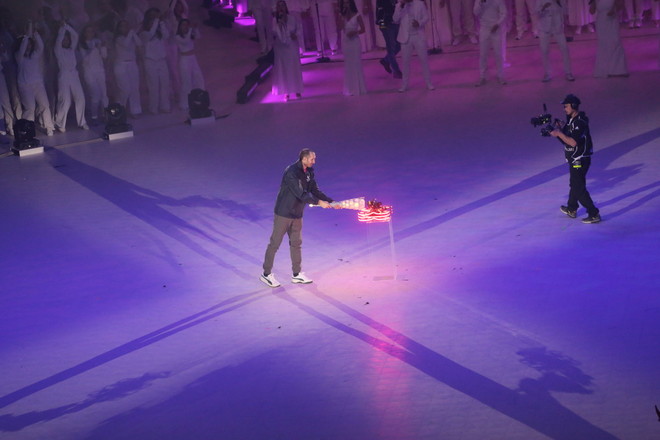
<point>568,212</point>
<point>592,219</point>
<point>386,65</point>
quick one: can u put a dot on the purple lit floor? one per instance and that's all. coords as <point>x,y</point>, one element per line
<point>131,307</point>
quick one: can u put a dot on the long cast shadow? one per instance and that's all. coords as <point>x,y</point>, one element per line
<point>193,320</point>
<point>112,392</point>
<point>602,159</point>
<point>148,206</point>
<point>527,405</point>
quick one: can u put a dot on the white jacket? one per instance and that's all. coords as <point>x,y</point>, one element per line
<point>404,16</point>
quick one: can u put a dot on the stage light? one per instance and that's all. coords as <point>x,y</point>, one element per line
<point>198,107</point>
<point>25,142</point>
<point>256,77</point>
<point>198,104</point>
<point>116,126</point>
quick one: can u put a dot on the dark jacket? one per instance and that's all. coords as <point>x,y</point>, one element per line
<point>298,189</point>
<point>384,12</point>
<point>578,129</point>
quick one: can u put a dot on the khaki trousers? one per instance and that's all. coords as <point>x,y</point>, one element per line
<point>281,226</point>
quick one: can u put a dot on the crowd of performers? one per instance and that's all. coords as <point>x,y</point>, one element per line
<point>417,25</point>
<point>85,53</point>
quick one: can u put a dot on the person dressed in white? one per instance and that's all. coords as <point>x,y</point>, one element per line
<point>287,74</point>
<point>92,53</point>
<point>31,80</point>
<point>579,16</point>
<point>610,57</point>
<point>68,79</point>
<point>461,13</point>
<point>5,105</point>
<point>634,12</point>
<point>551,24</point>
<point>189,70</point>
<point>262,11</point>
<point>323,16</point>
<point>126,71</point>
<point>522,6</point>
<point>154,35</point>
<point>352,26</point>
<point>366,10</point>
<point>178,10</point>
<point>412,16</point>
<point>297,8</point>
<point>491,14</point>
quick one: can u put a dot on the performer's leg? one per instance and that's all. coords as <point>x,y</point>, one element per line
<point>295,244</point>
<point>280,227</point>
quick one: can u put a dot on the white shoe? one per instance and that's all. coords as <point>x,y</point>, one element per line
<point>473,39</point>
<point>570,77</point>
<point>456,41</point>
<point>49,132</point>
<point>430,86</point>
<point>300,279</point>
<point>402,89</point>
<point>546,78</point>
<point>270,280</point>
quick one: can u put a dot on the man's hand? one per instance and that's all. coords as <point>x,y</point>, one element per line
<point>556,133</point>
<point>324,204</point>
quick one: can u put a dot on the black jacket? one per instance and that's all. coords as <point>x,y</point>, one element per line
<point>298,188</point>
<point>384,12</point>
<point>578,129</point>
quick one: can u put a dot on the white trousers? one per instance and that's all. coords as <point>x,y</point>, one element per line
<point>96,91</point>
<point>634,9</point>
<point>325,27</point>
<point>127,78</point>
<point>544,42</point>
<point>488,39</point>
<point>521,16</point>
<point>35,93</point>
<point>68,87</point>
<point>416,42</point>
<point>5,105</point>
<point>462,9</point>
<point>191,77</point>
<point>158,85</point>
<point>263,21</point>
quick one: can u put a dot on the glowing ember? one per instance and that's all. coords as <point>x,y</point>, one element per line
<point>375,212</point>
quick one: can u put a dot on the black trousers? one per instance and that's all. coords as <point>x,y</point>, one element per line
<point>578,188</point>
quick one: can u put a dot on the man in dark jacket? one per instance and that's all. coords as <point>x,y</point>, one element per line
<point>390,30</point>
<point>298,188</point>
<point>578,149</point>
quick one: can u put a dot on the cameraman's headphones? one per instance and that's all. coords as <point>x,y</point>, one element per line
<point>573,100</point>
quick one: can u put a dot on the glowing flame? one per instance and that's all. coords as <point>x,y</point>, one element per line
<point>375,212</point>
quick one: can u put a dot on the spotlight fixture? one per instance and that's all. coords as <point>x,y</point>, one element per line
<point>25,142</point>
<point>198,107</point>
<point>116,126</point>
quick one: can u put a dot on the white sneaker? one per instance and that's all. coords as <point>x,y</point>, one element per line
<point>269,280</point>
<point>300,279</point>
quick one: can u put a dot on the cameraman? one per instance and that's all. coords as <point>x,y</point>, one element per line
<point>578,148</point>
